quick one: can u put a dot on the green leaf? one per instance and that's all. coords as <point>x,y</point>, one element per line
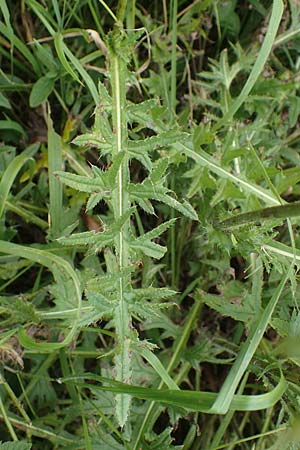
<point>12,125</point>
<point>103,306</point>
<point>141,113</point>
<point>9,176</point>
<point>104,95</point>
<point>55,161</point>
<point>62,271</point>
<point>4,103</point>
<point>157,231</point>
<point>92,140</point>
<point>142,157</point>
<point>146,353</point>
<point>204,159</point>
<point>163,440</point>
<point>97,239</point>
<point>18,310</point>
<point>141,193</point>
<point>235,301</point>
<point>7,31</point>
<point>163,139</point>
<point>158,171</point>
<point>93,201</point>
<point>149,248</point>
<point>190,400</point>
<point>63,53</point>
<point>282,250</point>
<point>281,212</point>
<point>112,172</point>
<point>82,183</point>
<point>152,293</point>
<point>265,50</point>
<point>258,328</point>
<point>45,55</point>
<point>109,281</point>
<point>41,90</point>
<point>229,19</point>
<point>60,49</point>
<point>185,208</point>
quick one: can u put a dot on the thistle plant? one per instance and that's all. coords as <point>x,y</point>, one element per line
<point>125,199</point>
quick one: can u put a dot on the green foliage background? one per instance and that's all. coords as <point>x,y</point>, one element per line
<point>140,308</point>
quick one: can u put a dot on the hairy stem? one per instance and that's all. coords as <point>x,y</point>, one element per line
<point>121,204</point>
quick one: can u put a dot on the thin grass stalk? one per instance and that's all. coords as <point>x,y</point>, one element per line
<point>18,405</point>
<point>7,422</point>
<point>55,186</point>
<point>179,346</point>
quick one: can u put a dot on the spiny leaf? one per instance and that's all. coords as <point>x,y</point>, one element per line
<point>111,173</point>
<point>204,159</point>
<point>18,310</point>
<point>148,247</point>
<point>145,204</point>
<point>92,140</point>
<point>97,240</point>
<point>152,293</point>
<point>109,281</point>
<point>121,221</point>
<point>140,156</point>
<point>146,191</point>
<point>93,201</point>
<point>158,171</point>
<point>102,126</point>
<point>185,208</point>
<point>157,231</point>
<point>82,183</point>
<point>105,98</point>
<point>88,238</point>
<point>147,310</point>
<point>141,113</point>
<point>163,139</point>
<point>102,307</point>
<point>241,308</point>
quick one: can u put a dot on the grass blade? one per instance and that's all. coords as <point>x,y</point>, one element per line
<point>55,162</point>
<point>9,177</point>
<point>277,11</point>
<point>158,367</point>
<point>190,400</point>
<point>60,49</point>
<point>206,160</point>
<point>225,396</point>
<point>274,212</point>
<point>59,267</point>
